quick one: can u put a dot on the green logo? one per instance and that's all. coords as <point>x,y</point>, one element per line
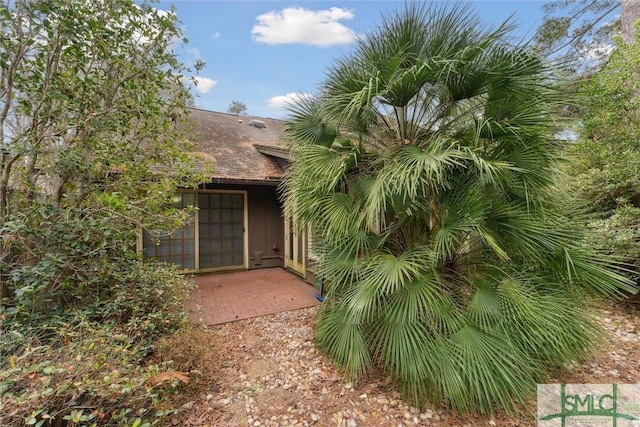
<point>587,404</point>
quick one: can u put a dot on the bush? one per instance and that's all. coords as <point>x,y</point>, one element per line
<point>619,234</point>
<point>82,314</point>
<point>69,260</point>
<point>92,378</point>
<point>53,370</point>
<point>146,301</point>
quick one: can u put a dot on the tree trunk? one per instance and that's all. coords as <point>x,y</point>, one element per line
<point>629,16</point>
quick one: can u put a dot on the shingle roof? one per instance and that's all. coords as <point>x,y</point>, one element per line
<point>230,142</point>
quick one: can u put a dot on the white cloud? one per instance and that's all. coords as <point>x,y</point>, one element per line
<point>284,101</point>
<point>204,84</point>
<point>300,25</point>
<point>597,51</point>
<point>216,35</point>
<point>194,52</point>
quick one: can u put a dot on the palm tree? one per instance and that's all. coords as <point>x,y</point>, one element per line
<point>427,171</point>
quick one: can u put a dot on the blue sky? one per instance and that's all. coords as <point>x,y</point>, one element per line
<point>262,52</point>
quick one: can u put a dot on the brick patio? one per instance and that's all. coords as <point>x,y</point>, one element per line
<point>225,297</point>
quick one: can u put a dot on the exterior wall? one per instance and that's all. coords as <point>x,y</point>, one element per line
<point>266,227</point>
<point>263,231</point>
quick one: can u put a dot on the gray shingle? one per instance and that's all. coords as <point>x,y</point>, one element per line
<point>228,142</point>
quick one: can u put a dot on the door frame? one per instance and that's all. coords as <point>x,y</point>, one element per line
<point>291,254</point>
<point>245,233</point>
<point>245,238</point>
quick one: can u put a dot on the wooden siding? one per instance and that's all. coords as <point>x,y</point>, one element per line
<point>266,228</point>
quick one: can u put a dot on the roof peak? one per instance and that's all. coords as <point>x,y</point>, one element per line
<point>247,117</point>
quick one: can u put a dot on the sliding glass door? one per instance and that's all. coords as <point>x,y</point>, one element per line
<point>213,239</point>
<point>221,230</point>
<point>178,247</point>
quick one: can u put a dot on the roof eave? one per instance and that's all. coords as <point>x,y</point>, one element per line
<point>281,153</point>
<point>247,181</point>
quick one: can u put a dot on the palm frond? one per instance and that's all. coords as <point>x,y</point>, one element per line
<point>494,379</point>
<point>308,123</point>
<point>342,336</point>
<point>548,325</point>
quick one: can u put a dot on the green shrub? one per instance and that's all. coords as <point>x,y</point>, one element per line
<point>68,260</point>
<point>92,377</point>
<point>619,233</point>
<point>82,315</point>
<point>146,300</point>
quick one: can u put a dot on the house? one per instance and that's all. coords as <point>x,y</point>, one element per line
<point>239,221</point>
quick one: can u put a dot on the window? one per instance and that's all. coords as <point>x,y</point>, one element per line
<point>214,238</point>
<point>178,247</point>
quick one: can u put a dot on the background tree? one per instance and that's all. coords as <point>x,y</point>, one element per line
<point>580,31</point>
<point>629,15</point>
<point>90,100</point>
<point>88,108</point>
<point>237,108</point>
<point>90,153</point>
<point>606,167</point>
<point>427,170</point>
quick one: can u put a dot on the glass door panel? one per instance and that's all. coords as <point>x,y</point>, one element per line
<point>295,247</point>
<point>221,225</point>
<point>178,247</point>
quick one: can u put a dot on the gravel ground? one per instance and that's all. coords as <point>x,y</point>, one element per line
<point>272,375</point>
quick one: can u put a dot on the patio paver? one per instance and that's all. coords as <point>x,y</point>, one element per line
<point>226,297</point>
